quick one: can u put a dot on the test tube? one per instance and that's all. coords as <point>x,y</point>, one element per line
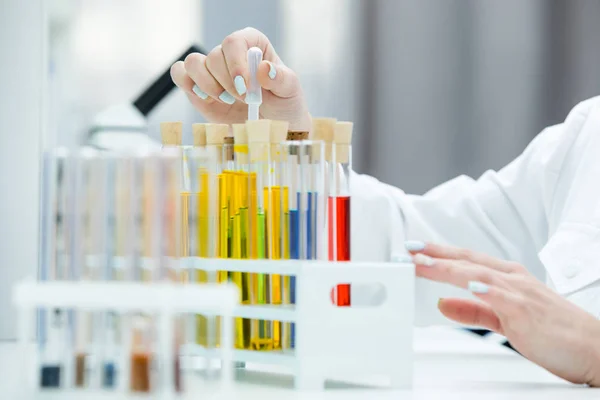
<point>54,236</point>
<point>242,227</point>
<point>218,201</point>
<point>200,182</point>
<point>339,203</point>
<point>296,171</point>
<point>260,192</point>
<point>177,175</point>
<point>141,364</point>
<point>322,130</point>
<point>90,262</point>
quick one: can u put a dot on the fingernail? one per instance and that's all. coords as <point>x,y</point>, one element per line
<point>402,258</point>
<point>227,98</point>
<point>240,84</point>
<point>440,301</point>
<point>199,92</point>
<point>422,259</point>
<point>414,245</point>
<point>478,287</point>
<point>272,70</point>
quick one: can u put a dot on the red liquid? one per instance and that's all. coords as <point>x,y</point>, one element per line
<point>339,241</point>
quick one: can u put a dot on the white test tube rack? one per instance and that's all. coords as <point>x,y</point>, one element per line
<point>374,339</point>
<point>163,300</point>
<point>331,342</point>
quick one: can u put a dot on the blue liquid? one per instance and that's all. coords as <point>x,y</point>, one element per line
<point>50,377</point>
<point>108,377</point>
<point>294,255</point>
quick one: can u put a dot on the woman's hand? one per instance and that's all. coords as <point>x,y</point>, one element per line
<point>540,324</point>
<point>216,84</point>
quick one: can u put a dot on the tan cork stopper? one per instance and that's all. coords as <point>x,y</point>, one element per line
<point>322,129</point>
<point>199,134</point>
<point>216,133</point>
<point>279,130</point>
<point>342,138</point>
<point>239,133</point>
<point>258,133</point>
<point>170,133</point>
<point>297,135</point>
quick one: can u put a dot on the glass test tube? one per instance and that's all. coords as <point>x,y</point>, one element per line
<point>260,160</point>
<point>170,201</point>
<point>277,211</point>
<point>91,229</point>
<point>296,165</point>
<point>242,223</point>
<point>177,184</point>
<point>218,201</point>
<point>339,203</point>
<point>199,179</point>
<point>54,247</point>
<point>147,203</point>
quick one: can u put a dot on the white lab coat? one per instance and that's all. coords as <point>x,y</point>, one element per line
<point>541,210</point>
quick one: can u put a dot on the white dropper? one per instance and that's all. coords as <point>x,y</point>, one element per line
<point>254,94</point>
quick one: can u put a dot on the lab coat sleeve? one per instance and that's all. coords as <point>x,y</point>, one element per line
<point>529,211</point>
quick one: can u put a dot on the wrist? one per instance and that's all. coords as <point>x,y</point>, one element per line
<point>594,346</point>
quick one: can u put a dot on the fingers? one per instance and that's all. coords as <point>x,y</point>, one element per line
<point>456,272</point>
<point>456,253</point>
<point>196,69</point>
<point>469,312</point>
<point>501,300</point>
<point>217,66</point>
<point>181,78</point>
<point>278,79</point>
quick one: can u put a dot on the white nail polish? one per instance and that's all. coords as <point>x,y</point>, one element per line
<point>272,70</point>
<point>199,92</point>
<point>402,258</point>
<point>240,84</point>
<point>422,259</point>
<point>414,245</point>
<point>227,98</point>
<point>478,287</point>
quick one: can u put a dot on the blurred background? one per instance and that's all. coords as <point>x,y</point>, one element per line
<point>436,88</point>
<point>453,87</point>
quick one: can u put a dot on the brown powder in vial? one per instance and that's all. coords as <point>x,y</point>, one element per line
<point>140,372</point>
<point>80,370</point>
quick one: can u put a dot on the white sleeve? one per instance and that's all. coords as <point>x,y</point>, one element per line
<point>510,214</point>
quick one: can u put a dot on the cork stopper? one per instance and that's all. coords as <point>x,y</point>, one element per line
<point>216,133</point>
<point>322,130</point>
<point>199,134</point>
<point>228,147</point>
<point>258,133</point>
<point>279,131</point>
<point>297,135</point>
<point>239,134</point>
<point>342,138</point>
<point>171,133</point>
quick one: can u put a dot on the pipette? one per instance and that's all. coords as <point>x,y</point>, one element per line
<point>254,94</point>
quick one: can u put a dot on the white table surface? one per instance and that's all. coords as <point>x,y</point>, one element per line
<point>449,364</point>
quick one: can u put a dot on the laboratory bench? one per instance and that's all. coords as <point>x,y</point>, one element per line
<point>449,364</point>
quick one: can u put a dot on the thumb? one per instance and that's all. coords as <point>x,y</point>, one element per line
<point>278,79</point>
<point>469,312</point>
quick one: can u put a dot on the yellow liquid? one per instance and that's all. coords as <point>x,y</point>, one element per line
<point>276,206</point>
<point>202,322</point>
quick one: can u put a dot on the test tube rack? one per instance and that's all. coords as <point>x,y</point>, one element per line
<point>163,300</point>
<point>369,339</point>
